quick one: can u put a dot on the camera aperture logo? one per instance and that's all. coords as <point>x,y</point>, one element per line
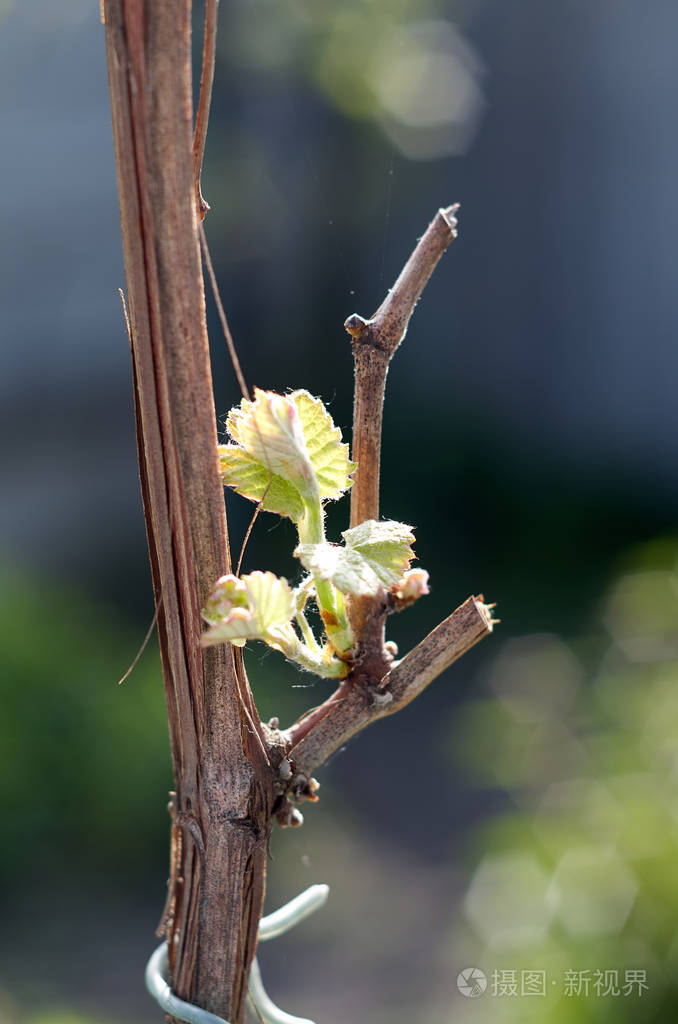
<point>471,982</point>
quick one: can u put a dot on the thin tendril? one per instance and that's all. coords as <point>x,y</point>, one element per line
<point>251,526</point>
<point>144,644</point>
<point>222,315</point>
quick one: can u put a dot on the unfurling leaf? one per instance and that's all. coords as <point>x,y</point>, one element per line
<point>259,606</point>
<point>288,444</point>
<point>269,429</point>
<point>376,555</point>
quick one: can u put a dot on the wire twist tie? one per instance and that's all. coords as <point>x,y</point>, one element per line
<point>277,923</point>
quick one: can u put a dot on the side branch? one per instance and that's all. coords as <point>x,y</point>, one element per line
<point>374,342</point>
<point>455,635</point>
<point>354,706</point>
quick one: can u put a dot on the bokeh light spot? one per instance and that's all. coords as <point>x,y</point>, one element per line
<point>426,79</point>
<point>593,890</point>
<point>508,902</point>
<point>642,615</point>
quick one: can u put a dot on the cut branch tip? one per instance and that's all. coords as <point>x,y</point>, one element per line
<point>448,213</point>
<point>485,612</point>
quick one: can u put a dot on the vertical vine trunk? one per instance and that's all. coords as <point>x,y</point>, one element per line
<point>221,808</point>
<point>225,785</point>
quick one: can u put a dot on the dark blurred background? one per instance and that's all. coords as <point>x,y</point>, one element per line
<point>530,436</point>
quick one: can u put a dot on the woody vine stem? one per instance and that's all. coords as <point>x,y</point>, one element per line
<point>234,774</point>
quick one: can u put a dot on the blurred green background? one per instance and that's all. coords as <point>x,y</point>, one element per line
<point>530,436</point>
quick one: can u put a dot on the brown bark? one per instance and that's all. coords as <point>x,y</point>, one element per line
<point>222,779</point>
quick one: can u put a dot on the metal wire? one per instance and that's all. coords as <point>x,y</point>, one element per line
<point>293,913</point>
<point>264,1005</point>
<point>277,923</point>
<point>156,983</point>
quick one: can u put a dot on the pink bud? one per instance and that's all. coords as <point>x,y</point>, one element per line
<point>413,585</point>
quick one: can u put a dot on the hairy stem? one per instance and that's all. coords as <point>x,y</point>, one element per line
<point>307,632</point>
<point>332,612</point>
<point>314,661</point>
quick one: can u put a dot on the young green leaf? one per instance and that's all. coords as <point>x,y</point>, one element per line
<point>254,481</point>
<point>387,544</point>
<point>376,555</point>
<point>329,457</point>
<point>289,444</point>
